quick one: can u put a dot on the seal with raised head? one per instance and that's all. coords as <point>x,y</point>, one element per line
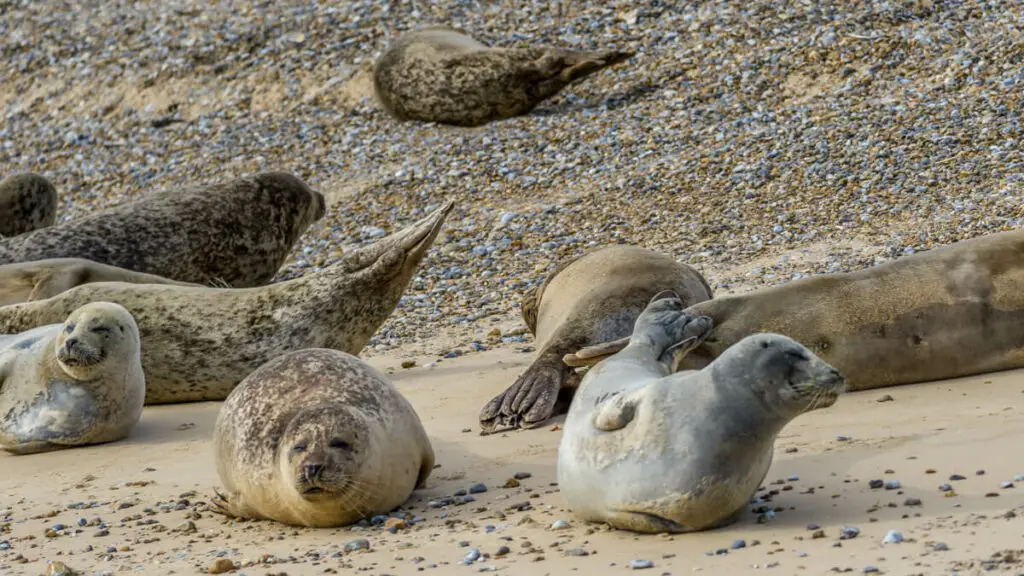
<point>200,342</point>
<point>71,384</point>
<point>237,232</point>
<point>441,74</point>
<point>944,313</point>
<point>584,301</point>
<point>39,280</point>
<point>318,438</point>
<point>648,450</point>
<point>27,202</point>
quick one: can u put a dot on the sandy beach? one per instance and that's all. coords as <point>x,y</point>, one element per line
<point>147,493</point>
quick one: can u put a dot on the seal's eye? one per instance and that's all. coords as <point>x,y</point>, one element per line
<point>340,444</point>
<point>69,328</point>
<point>301,447</point>
<point>764,345</point>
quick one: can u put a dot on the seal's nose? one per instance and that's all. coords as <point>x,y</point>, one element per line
<point>313,471</point>
<point>70,343</point>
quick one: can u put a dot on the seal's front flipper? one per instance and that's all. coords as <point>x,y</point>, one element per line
<point>530,400</point>
<point>617,412</point>
<point>223,504</point>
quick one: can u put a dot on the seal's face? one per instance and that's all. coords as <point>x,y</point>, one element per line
<point>89,336</point>
<point>321,449</point>
<point>789,377</point>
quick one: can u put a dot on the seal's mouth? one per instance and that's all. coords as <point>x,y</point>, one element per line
<point>313,490</point>
<point>80,357</point>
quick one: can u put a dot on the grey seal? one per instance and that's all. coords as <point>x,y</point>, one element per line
<point>71,384</point>
<point>237,232</point>
<point>318,438</point>
<point>27,202</point>
<point>198,343</point>
<point>584,301</point>
<point>441,74</point>
<point>647,450</point>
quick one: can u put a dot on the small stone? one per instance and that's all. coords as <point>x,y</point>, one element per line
<point>1006,485</point>
<point>641,564</point>
<point>817,534</point>
<point>813,527</point>
<point>912,502</point>
<point>101,533</point>
<point>522,475</point>
<point>396,524</point>
<point>576,552</point>
<point>869,569</point>
<point>892,537</point>
<point>502,550</point>
<point>220,566</point>
<point>408,364</point>
<point>940,547</point>
<point>477,488</point>
<point>560,525</point>
<point>892,485</point>
<point>885,398</point>
<point>875,484</point>
<point>945,487</point>
<point>511,483</point>
<point>1018,478</point>
<point>843,438</point>
<point>979,472</point>
<point>472,556</point>
<point>186,527</point>
<point>59,569</point>
<point>358,544</point>
<point>848,532</point>
<point>956,477</point>
<point>793,478</point>
<point>737,544</point>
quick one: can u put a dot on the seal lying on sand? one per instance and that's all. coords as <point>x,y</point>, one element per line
<point>944,313</point>
<point>650,451</point>
<point>584,301</point>
<point>440,74</point>
<point>27,202</point>
<point>30,281</point>
<point>71,384</point>
<point>198,343</point>
<point>237,232</point>
<point>318,438</point>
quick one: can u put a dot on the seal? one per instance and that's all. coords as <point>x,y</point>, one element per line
<point>27,202</point>
<point>42,279</point>
<point>237,232</point>
<point>944,313</point>
<point>200,342</point>
<point>318,438</point>
<point>647,450</point>
<point>441,74</point>
<point>71,384</point>
<point>585,301</point>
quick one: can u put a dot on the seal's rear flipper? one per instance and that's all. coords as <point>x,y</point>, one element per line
<point>530,400</point>
<point>413,239</point>
<point>580,64</point>
<point>593,354</point>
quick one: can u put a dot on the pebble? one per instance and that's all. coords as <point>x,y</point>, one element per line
<point>576,552</point>
<point>848,532</point>
<point>1006,485</point>
<point>940,547</point>
<point>869,569</point>
<point>522,475</point>
<point>477,488</point>
<point>892,537</point>
<point>559,525</point>
<point>737,544</point>
<point>641,564</point>
<point>875,484</point>
<point>357,544</point>
<point>892,485</point>
<point>472,556</point>
<point>912,502</point>
<point>220,566</point>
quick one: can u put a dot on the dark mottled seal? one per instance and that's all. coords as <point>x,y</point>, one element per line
<point>440,74</point>
<point>944,313</point>
<point>42,279</point>
<point>583,302</point>
<point>27,202</point>
<point>651,451</point>
<point>318,438</point>
<point>237,232</point>
<point>198,343</point>
<point>71,384</point>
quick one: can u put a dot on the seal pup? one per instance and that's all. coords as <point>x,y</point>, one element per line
<point>584,301</point>
<point>238,232</point>
<point>944,313</point>
<point>318,438</point>
<point>441,74</point>
<point>27,202</point>
<point>652,451</point>
<point>71,384</point>
<point>39,280</point>
<point>200,342</point>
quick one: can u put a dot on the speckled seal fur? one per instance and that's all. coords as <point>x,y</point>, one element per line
<point>27,202</point>
<point>584,301</point>
<point>648,450</point>
<point>237,232</point>
<point>318,438</point>
<point>441,74</point>
<point>199,343</point>
<point>948,312</point>
<point>71,384</point>
<point>42,279</point>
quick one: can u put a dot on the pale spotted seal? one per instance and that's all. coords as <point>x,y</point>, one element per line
<point>39,280</point>
<point>199,342</point>
<point>584,301</point>
<point>651,451</point>
<point>440,74</point>
<point>238,232</point>
<point>27,202</point>
<point>71,384</point>
<point>318,438</point>
<point>944,313</point>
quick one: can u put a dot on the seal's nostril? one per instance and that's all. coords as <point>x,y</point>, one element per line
<point>70,343</point>
<point>313,471</point>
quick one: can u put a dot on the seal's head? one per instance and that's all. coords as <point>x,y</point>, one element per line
<point>787,377</point>
<point>285,184</point>
<point>320,452</point>
<point>91,335</point>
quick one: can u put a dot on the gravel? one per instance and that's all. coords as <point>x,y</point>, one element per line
<point>758,140</point>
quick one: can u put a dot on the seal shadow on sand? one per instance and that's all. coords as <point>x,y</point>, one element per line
<point>605,102</point>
